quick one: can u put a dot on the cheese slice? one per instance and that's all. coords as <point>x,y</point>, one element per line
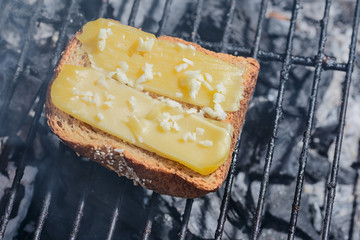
<point>170,69</point>
<point>131,115</point>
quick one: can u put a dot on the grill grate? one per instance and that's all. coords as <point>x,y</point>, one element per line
<point>320,62</point>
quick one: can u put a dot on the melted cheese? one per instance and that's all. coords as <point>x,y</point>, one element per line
<point>172,63</point>
<point>89,95</point>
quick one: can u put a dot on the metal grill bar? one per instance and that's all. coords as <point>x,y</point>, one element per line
<point>31,135</point>
<point>255,49</point>
<point>226,198</point>
<point>328,62</point>
<point>197,20</point>
<point>189,202</point>
<point>117,210</point>
<point>133,13</point>
<point>150,216</point>
<point>284,76</point>
<point>186,217</point>
<point>80,211</point>
<point>331,186</point>
<point>164,17</point>
<point>227,30</point>
<point>229,182</point>
<point>46,204</point>
<point>19,66</point>
<point>309,123</point>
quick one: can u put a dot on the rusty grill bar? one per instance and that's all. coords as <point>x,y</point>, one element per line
<point>320,62</point>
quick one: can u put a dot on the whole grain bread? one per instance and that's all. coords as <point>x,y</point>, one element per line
<point>146,168</point>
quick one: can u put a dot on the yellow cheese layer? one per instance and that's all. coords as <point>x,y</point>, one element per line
<point>92,97</point>
<point>174,70</point>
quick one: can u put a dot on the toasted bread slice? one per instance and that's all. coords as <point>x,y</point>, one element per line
<point>146,168</point>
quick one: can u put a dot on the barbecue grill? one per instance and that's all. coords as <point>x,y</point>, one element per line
<point>71,201</point>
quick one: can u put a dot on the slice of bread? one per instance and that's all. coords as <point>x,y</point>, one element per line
<point>146,168</point>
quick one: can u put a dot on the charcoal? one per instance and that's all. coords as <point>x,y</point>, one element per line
<point>279,207</point>
<point>322,138</point>
<point>317,168</point>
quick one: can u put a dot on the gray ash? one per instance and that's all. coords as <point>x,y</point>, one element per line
<point>67,175</point>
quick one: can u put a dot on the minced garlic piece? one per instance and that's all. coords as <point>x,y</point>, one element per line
<point>189,137</point>
<point>184,46</point>
<point>218,98</point>
<point>145,46</point>
<point>99,117</point>
<point>123,66</point>
<point>102,39</point>
<point>181,67</point>
<point>221,88</point>
<point>199,131</point>
<point>217,112</point>
<point>208,77</point>
<point>132,103</point>
<point>97,100</point>
<point>148,74</point>
<point>168,122</point>
<point>206,143</point>
<point>102,82</point>
<point>188,61</point>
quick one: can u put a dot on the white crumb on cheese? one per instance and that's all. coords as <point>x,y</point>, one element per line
<point>123,66</point>
<point>121,77</point>
<point>97,100</point>
<point>189,137</point>
<point>165,124</point>
<point>218,98</point>
<point>186,47</point>
<point>220,88</point>
<point>188,61</point>
<point>102,39</point>
<point>145,45</point>
<point>109,96</point>
<point>206,143</point>
<point>179,94</point>
<point>102,82</point>
<point>168,122</point>
<point>110,24</point>
<point>139,87</point>
<point>108,104</point>
<point>170,102</point>
<point>181,67</point>
<point>194,88</point>
<point>159,74</point>
<point>217,112</point>
<point>208,86</point>
<point>99,116</point>
<point>148,74</point>
<point>132,103</point>
<point>193,82</point>
<point>208,77</point>
<point>200,131</point>
<point>75,111</point>
<point>140,139</point>
<point>74,98</point>
<point>86,96</point>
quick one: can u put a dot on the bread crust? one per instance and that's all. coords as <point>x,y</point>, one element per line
<point>151,171</point>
